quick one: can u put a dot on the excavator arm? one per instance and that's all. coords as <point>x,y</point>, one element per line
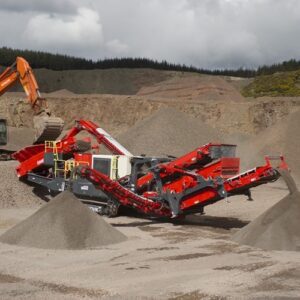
<point>46,127</point>
<point>21,71</point>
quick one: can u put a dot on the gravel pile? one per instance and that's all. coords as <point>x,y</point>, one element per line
<point>61,93</point>
<point>168,132</point>
<point>15,193</point>
<point>63,223</point>
<point>282,138</point>
<point>278,227</point>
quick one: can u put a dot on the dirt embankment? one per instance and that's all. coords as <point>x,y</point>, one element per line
<point>193,87</point>
<point>118,113</point>
<point>215,100</point>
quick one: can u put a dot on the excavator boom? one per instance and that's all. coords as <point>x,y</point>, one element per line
<point>20,70</point>
<point>46,127</point>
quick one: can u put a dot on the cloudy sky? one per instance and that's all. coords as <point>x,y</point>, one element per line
<point>204,33</point>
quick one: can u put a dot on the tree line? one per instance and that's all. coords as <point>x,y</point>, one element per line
<point>40,59</point>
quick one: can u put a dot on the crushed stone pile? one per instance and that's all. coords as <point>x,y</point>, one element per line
<point>168,132</point>
<point>278,227</point>
<point>61,93</point>
<point>63,223</point>
<point>281,138</point>
<point>15,193</point>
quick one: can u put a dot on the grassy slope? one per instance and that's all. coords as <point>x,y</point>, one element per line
<point>110,81</point>
<point>278,84</point>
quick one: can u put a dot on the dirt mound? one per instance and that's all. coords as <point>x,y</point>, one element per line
<point>167,132</point>
<point>281,138</point>
<point>15,193</point>
<point>278,227</point>
<point>193,87</point>
<point>63,223</point>
<point>61,93</point>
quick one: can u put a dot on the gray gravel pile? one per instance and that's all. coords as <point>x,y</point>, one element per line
<point>278,227</point>
<point>168,132</point>
<point>63,223</point>
<point>15,193</point>
<point>281,138</point>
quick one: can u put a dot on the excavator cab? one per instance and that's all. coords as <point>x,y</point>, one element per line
<point>3,132</point>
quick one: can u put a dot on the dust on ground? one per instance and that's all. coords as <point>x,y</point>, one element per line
<point>160,260</point>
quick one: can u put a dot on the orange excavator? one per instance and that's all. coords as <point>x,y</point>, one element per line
<point>47,127</point>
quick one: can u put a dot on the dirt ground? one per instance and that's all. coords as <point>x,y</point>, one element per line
<point>193,259</point>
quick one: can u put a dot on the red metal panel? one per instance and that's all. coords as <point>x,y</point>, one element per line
<point>192,158</point>
<point>83,159</point>
<point>32,163</point>
<point>30,157</point>
<point>28,152</point>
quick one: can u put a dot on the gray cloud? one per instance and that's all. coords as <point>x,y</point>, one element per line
<point>53,6</point>
<point>56,33</point>
<point>205,33</point>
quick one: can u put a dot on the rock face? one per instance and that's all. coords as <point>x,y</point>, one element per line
<point>168,131</point>
<point>278,227</point>
<point>193,87</point>
<point>63,223</point>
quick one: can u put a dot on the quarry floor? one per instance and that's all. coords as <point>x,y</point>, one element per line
<point>194,259</point>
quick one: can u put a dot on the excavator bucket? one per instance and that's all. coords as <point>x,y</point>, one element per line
<point>47,128</point>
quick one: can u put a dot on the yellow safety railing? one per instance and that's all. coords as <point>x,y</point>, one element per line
<point>62,168</point>
<point>65,167</point>
<point>53,146</point>
<point>59,168</point>
<point>114,164</point>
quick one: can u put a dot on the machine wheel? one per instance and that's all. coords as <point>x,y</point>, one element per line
<point>178,220</point>
<point>112,208</point>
